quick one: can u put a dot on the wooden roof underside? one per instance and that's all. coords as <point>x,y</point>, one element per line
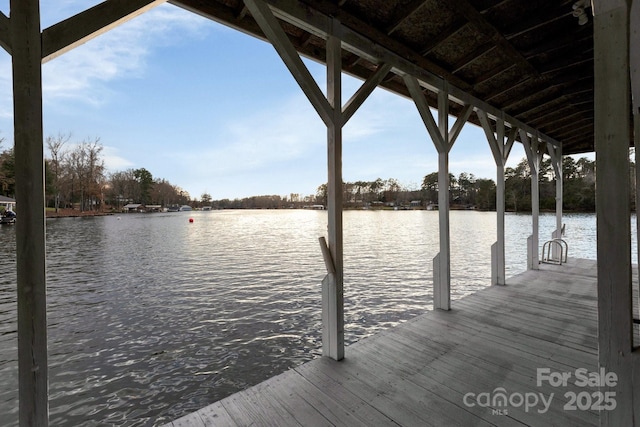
<point>529,59</point>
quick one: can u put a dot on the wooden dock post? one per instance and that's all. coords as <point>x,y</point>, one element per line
<point>30,228</point>
<point>335,298</point>
<point>443,138</point>
<point>634,59</point>
<point>500,148</point>
<point>334,116</point>
<point>534,158</point>
<point>612,30</point>
<point>556,162</point>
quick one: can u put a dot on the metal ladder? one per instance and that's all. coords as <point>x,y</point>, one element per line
<point>559,244</point>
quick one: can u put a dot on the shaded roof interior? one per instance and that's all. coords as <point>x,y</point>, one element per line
<point>530,59</point>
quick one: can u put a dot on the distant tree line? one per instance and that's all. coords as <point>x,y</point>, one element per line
<point>578,179</point>
<point>75,177</point>
<point>465,191</point>
<point>578,186</point>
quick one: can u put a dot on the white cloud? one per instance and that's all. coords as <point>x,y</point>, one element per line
<point>85,74</point>
<point>255,140</point>
<point>82,73</point>
<point>113,161</point>
<point>6,91</point>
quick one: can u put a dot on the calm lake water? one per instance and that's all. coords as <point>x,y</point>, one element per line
<point>152,317</point>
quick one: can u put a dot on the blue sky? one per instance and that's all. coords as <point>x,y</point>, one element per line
<point>213,110</point>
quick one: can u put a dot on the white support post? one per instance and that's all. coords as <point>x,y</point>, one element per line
<point>443,138</point>
<point>30,229</point>
<point>556,161</point>
<point>500,148</point>
<point>634,60</point>
<point>442,288</point>
<point>442,292</point>
<point>334,115</point>
<point>494,264</point>
<point>612,29</point>
<point>534,157</point>
<point>532,258</point>
<point>437,271</point>
<point>500,278</point>
<point>636,137</point>
<point>334,196</point>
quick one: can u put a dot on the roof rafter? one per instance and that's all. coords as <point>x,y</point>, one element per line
<point>80,28</point>
<point>451,30</point>
<point>403,14</point>
<point>5,42</point>
<point>469,12</point>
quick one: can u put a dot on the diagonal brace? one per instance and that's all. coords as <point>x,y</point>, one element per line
<point>278,38</point>
<point>80,28</point>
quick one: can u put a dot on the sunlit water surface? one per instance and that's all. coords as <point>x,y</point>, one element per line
<point>152,317</point>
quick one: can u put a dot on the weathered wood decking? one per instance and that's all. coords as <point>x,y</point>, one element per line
<point>430,370</point>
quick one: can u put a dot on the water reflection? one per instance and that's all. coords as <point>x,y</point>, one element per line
<point>151,317</point>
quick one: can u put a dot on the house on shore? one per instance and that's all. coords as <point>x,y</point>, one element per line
<point>7,203</point>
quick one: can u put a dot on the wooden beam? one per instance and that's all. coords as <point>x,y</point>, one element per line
<point>30,228</point>
<point>612,135</point>
<point>364,91</point>
<point>508,145</point>
<point>634,67</point>
<point>636,138</point>
<point>534,158</point>
<point>450,30</point>
<point>472,57</point>
<point>496,71</point>
<point>442,279</point>
<point>442,288</point>
<point>566,41</point>
<point>443,138</point>
<point>425,112</point>
<point>443,116</point>
<point>566,63</point>
<point>520,80</point>
<point>518,28</point>
<point>459,123</point>
<point>634,57</point>
<point>404,13</point>
<point>496,149</point>
<point>335,348</point>
<point>80,28</point>
<point>440,137</point>
<point>500,148</point>
<point>309,19</point>
<point>5,40</point>
<point>465,8</point>
<point>556,161</point>
<point>278,38</point>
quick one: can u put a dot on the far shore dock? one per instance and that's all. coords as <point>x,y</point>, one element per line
<point>491,360</point>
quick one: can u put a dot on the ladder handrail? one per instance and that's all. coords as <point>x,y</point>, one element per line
<point>559,243</point>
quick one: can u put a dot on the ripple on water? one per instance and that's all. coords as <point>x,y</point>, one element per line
<point>151,317</point>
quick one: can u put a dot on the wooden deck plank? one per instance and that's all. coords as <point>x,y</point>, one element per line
<point>216,415</point>
<point>355,374</point>
<point>280,389</point>
<point>331,409</point>
<point>487,372</point>
<point>360,409</point>
<point>420,372</point>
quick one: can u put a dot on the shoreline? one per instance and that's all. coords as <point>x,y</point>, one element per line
<point>73,213</point>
